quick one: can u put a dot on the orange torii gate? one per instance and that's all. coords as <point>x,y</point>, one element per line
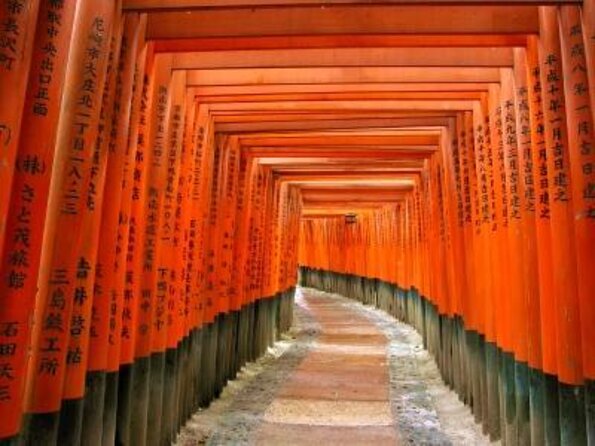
<point>154,169</point>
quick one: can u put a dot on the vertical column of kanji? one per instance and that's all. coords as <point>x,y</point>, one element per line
<point>277,233</point>
<point>24,227</point>
<point>505,337</point>
<point>430,208</point>
<point>227,261</point>
<point>240,241</point>
<point>256,201</point>
<point>65,274</point>
<point>581,147</point>
<point>191,279</point>
<point>529,266</point>
<point>182,341</point>
<point>130,235</point>
<point>450,211</point>
<point>486,329</point>
<point>162,383</point>
<point>222,260</point>
<point>259,260</point>
<point>113,139</point>
<point>268,290</point>
<point>441,300</point>
<point>264,240</point>
<point>588,24</point>
<point>570,364</point>
<point>413,236</point>
<point>18,20</point>
<point>520,429</point>
<point>211,310</point>
<point>497,233</point>
<point>211,315</point>
<point>459,160</point>
<point>147,385</point>
<point>71,417</point>
<point>209,171</point>
<point>435,295</point>
<point>467,172</point>
<point>178,331</point>
<point>454,197</point>
<point>547,381</point>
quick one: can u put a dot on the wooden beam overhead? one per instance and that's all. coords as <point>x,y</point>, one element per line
<point>354,19</point>
<point>344,57</point>
<point>381,95</point>
<point>348,107</point>
<point>173,45</point>
<point>258,76</point>
<point>229,90</point>
<point>144,5</point>
<point>329,124</point>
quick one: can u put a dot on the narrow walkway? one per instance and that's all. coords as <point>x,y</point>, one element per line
<point>346,375</point>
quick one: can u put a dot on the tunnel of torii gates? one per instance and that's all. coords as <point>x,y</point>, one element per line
<point>166,166</point>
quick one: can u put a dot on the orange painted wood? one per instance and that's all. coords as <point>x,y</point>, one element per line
<point>132,204</point>
<point>150,322</point>
<point>108,298</point>
<point>66,276</point>
<point>565,289</point>
<point>166,298</point>
<point>93,192</point>
<point>343,19</point>
<point>17,34</point>
<point>581,156</point>
<point>528,198</point>
<point>543,212</point>
<point>25,223</point>
<point>515,289</point>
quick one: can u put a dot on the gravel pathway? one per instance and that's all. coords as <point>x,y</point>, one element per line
<point>346,374</point>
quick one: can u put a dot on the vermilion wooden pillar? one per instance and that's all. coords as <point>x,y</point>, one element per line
<point>578,89</point>
<point>25,224</point>
<point>18,20</point>
<point>106,312</point>
<point>568,342</point>
<point>66,276</point>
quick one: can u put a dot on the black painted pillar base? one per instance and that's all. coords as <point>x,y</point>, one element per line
<point>111,411</point>
<point>590,410</point>
<point>536,402</point>
<point>493,413</point>
<point>124,414</point>
<point>92,432</point>
<point>522,402</point>
<point>572,414</point>
<point>139,413</point>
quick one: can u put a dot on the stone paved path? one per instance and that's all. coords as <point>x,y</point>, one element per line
<point>339,394</point>
<point>345,375</point>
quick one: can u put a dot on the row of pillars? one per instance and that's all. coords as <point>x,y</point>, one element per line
<point>498,233</point>
<point>514,403</point>
<point>143,258</point>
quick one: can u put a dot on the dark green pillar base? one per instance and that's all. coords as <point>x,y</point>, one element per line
<point>590,410</point>
<point>493,407</point>
<point>111,411</point>
<point>572,414</point>
<point>124,415</point>
<point>522,403</point>
<point>41,429</point>
<point>139,411</point>
<point>92,431</point>
<point>537,401</point>
<point>71,422</point>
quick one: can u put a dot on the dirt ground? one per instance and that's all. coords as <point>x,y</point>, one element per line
<point>346,374</point>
